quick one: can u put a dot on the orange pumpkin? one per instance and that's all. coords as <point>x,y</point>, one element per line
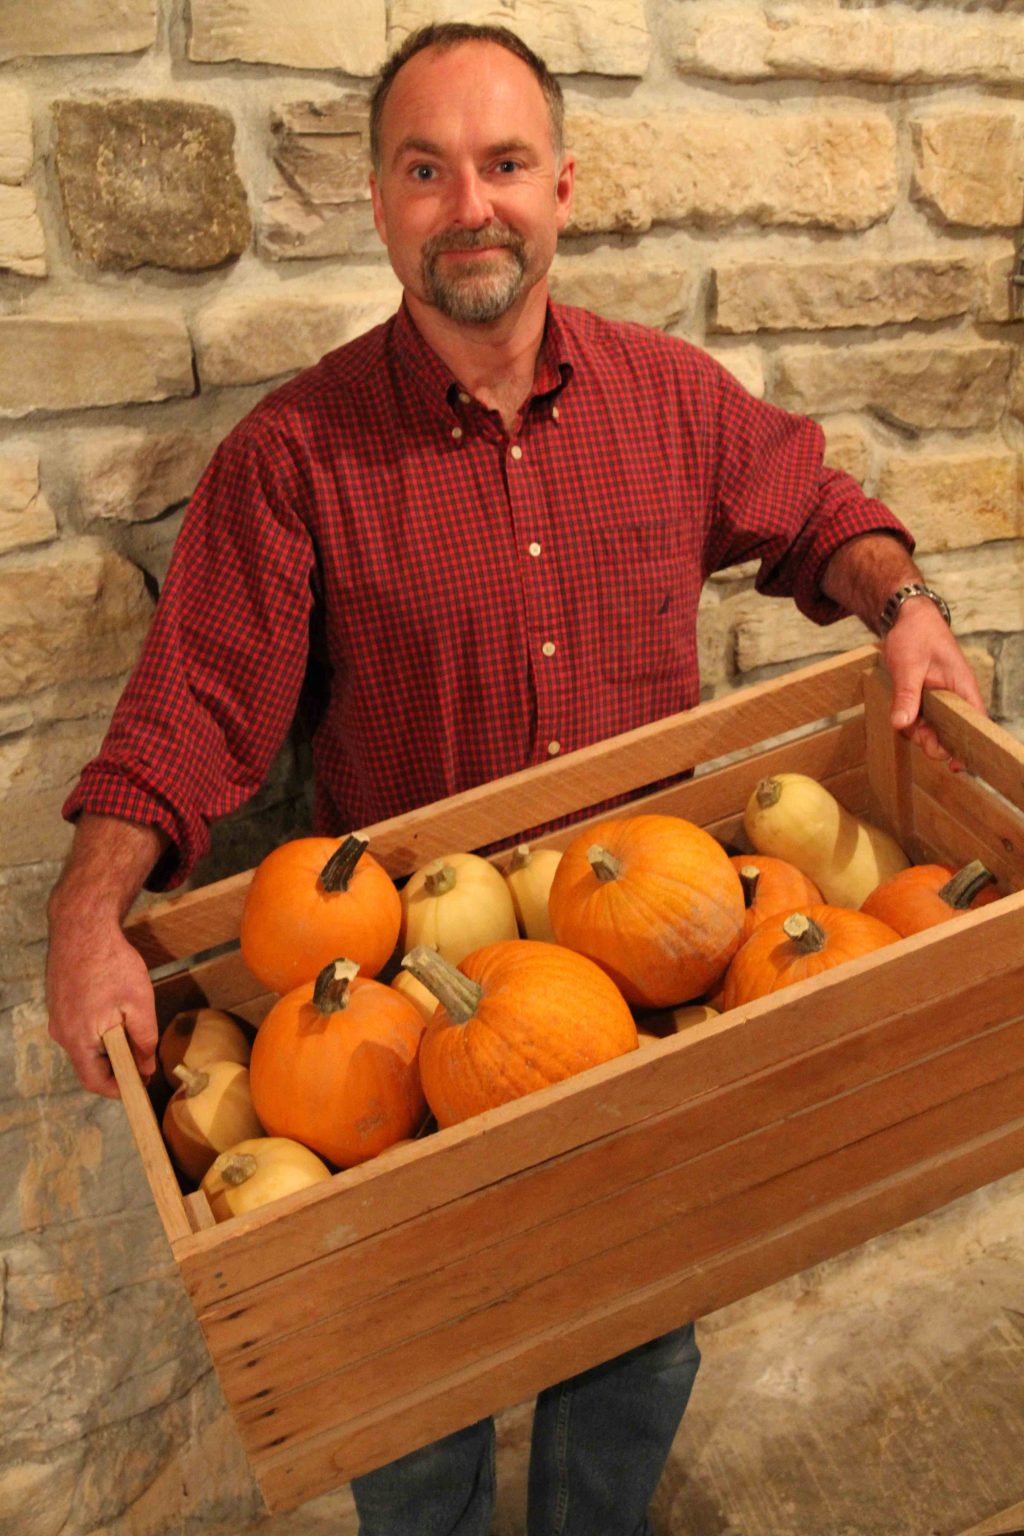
<point>654,901</point>
<point>789,948</point>
<point>312,899</point>
<point>927,894</point>
<point>771,885</point>
<point>516,1016</point>
<point>334,1066</point>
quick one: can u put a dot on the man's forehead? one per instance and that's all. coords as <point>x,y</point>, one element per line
<point>419,83</point>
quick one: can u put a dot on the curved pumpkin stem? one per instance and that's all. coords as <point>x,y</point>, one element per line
<point>961,890</point>
<point>439,878</point>
<point>768,792</point>
<point>808,936</point>
<point>460,996</point>
<point>604,863</point>
<point>750,878</point>
<point>235,1167</point>
<point>341,865</point>
<point>330,990</point>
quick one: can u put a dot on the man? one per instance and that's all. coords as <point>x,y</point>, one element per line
<point>490,521</point>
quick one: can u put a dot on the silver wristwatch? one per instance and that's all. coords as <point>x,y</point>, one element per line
<point>911,589</point>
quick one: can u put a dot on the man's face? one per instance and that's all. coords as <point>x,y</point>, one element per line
<point>469,198</point>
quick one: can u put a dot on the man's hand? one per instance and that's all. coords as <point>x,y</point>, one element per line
<point>920,652</point>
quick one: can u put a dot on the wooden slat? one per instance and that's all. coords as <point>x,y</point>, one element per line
<point>289,1476</point>
<point>890,793</point>
<point>156,1164</point>
<point>984,747</point>
<point>955,839</point>
<point>994,827</point>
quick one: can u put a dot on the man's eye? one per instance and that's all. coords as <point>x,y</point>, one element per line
<point>423,173</point>
<point>507,166</point>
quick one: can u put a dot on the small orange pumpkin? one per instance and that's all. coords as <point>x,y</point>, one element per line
<point>654,901</point>
<point>789,948</point>
<point>516,1016</point>
<point>312,899</point>
<point>334,1066</point>
<point>927,894</point>
<point>771,885</point>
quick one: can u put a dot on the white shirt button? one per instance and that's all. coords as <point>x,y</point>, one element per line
<point>554,747</point>
<point>548,648</point>
<point>463,397</point>
<point>456,433</point>
<point>534,548</point>
<point>516,451</point>
<point>554,412</point>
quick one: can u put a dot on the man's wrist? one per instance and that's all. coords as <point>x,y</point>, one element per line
<point>910,591</point>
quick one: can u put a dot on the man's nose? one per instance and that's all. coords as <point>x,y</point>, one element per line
<point>472,201</point>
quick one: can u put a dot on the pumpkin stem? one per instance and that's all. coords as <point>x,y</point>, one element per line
<point>194,1081</point>
<point>520,858</point>
<point>439,878</point>
<point>330,990</point>
<point>961,890</point>
<point>750,877</point>
<point>235,1167</point>
<point>808,936</point>
<point>341,865</point>
<point>768,792</point>
<point>460,996</point>
<point>604,863</point>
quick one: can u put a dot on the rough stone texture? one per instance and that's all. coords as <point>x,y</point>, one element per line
<point>955,501</point>
<point>74,610</point>
<point>969,165</point>
<point>15,134</point>
<point>603,37</point>
<point>318,203</point>
<point>915,383</point>
<point>829,169</point>
<point>615,284</point>
<point>131,475</point>
<point>745,364</point>
<point>150,183</point>
<point>847,447</point>
<point>241,341</point>
<point>307,34</point>
<point>1010,678</point>
<point>38,769</point>
<point>787,41</point>
<point>66,362</point>
<point>1001,301</point>
<point>22,242</point>
<point>25,516</point>
<point>781,295</point>
<point>51,28</point>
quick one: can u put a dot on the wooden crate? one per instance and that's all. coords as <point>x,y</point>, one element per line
<point>455,1276</point>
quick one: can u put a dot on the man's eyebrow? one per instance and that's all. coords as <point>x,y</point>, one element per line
<point>412,144</point>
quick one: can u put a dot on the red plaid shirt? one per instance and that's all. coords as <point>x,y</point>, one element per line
<point>476,602</point>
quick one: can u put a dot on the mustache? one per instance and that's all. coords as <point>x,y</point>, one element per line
<point>473,240</point>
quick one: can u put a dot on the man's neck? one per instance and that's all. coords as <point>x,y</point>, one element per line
<point>495,362</point>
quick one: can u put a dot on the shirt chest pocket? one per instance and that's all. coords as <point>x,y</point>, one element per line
<point>644,599</point>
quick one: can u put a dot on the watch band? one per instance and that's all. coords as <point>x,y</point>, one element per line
<point>911,589</point>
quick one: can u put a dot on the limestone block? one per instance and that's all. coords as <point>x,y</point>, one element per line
<point>782,295</point>
<point>52,28</point>
<point>63,362</point>
<point>1010,680</point>
<point>38,769</point>
<point>15,134</point>
<point>32,1064</point>
<point>745,364</point>
<point>318,201</point>
<point>1001,301</point>
<point>22,242</point>
<point>955,501</point>
<point>150,183</point>
<point>130,475</point>
<point>307,34</point>
<point>260,336</point>
<point>831,168</point>
<point>626,285</point>
<point>601,37</point>
<point>969,165</point>
<point>63,701</point>
<point>914,383</point>
<point>727,42</point>
<point>986,595</point>
<point>25,516</point>
<point>847,448</point>
<point>75,610</point>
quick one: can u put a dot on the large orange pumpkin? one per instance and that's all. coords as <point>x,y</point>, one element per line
<point>312,899</point>
<point>654,901</point>
<point>771,885</point>
<point>516,1016</point>
<point>792,947</point>
<point>334,1066</point>
<point>927,894</point>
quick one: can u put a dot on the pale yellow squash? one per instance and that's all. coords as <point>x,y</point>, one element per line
<point>255,1172</point>
<point>529,876</point>
<point>457,904</point>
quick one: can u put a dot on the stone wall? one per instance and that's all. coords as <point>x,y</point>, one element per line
<point>825,194</point>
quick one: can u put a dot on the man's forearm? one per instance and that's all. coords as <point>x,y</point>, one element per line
<point>107,865</point>
<point>864,573</point>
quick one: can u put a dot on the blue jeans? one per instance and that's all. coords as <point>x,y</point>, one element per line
<point>600,1441</point>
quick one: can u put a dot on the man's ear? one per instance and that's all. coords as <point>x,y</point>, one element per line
<point>379,221</point>
<point>565,183</point>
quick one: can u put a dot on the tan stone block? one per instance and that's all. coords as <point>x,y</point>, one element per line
<point>307,34</point>
<point>847,448</point>
<point>626,285</point>
<point>75,610</point>
<point>131,475</point>
<point>1001,300</point>
<point>63,362</point>
<point>780,295</point>
<point>261,336</point>
<point>72,700</point>
<point>318,202</point>
<point>22,242</point>
<point>38,769</point>
<point>746,364</point>
<point>25,516</point>
<point>602,37</point>
<point>60,28</point>
<point>969,165</point>
<point>293,228</point>
<point>955,501</point>
<point>15,134</point>
<point>986,595</point>
<point>914,383</point>
<point>726,42</point>
<point>768,631</point>
<point>828,169</point>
